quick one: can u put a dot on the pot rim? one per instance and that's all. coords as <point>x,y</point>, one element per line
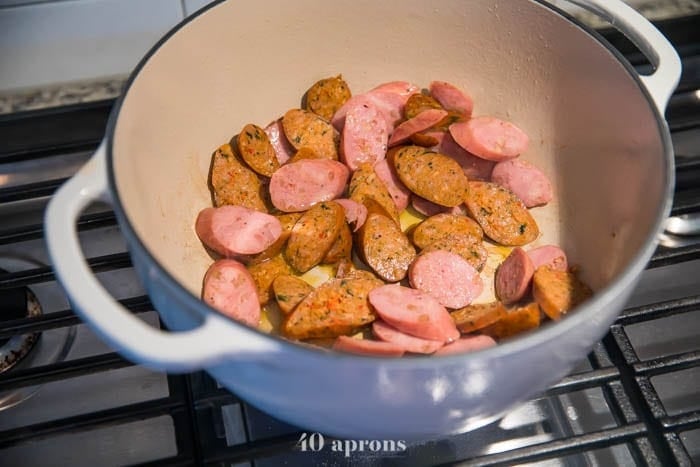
<point>546,332</point>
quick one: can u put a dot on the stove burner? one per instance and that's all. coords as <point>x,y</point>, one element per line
<point>17,303</point>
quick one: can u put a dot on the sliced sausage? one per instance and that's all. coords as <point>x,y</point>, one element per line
<point>287,220</point>
<point>233,183</point>
<point>385,248</point>
<point>398,191</point>
<point>513,276</point>
<point>341,248</point>
<point>367,347</point>
<point>425,207</point>
<point>364,137</point>
<point>516,321</point>
<point>528,182</point>
<point>230,289</point>
<point>422,121</point>
<point>304,153</point>
<point>414,312</point>
<point>466,246</point>
<point>298,186</point>
<point>467,344</point>
<point>257,151</point>
<point>326,96</point>
<point>475,168</point>
<point>366,185</point>
<point>407,342</point>
<point>447,277</point>
<point>557,292</point>
<point>433,176</point>
<point>265,272</point>
<point>451,97</point>
<point>389,105</point>
<point>400,88</point>
<point>289,291</point>
<point>314,234</point>
<point>283,149</point>
<point>336,307</point>
<point>419,102</point>
<point>490,138</point>
<point>501,214</point>
<point>427,139</point>
<point>549,255</point>
<point>475,317</point>
<point>444,225</point>
<point>355,213</point>
<point>234,230</point>
<point>304,128</point>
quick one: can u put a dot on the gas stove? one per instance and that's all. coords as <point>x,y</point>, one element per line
<point>67,399</point>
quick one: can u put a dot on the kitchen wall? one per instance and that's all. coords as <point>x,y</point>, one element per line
<point>46,42</point>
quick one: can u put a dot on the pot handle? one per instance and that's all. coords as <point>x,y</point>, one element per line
<point>658,50</point>
<point>210,343</point>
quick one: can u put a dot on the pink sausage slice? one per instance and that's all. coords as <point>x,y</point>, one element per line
<point>452,98</point>
<point>367,347</point>
<point>475,168</point>
<point>398,191</point>
<point>420,122</point>
<point>467,344</point>
<point>400,88</point>
<point>297,186</point>
<point>549,255</point>
<point>355,213</point>
<point>490,138</point>
<point>427,208</point>
<point>413,312</point>
<point>389,105</point>
<point>447,277</point>
<point>230,289</point>
<point>364,137</point>
<point>237,231</point>
<point>388,333</point>
<point>283,148</point>
<point>513,276</point>
<point>528,182</point>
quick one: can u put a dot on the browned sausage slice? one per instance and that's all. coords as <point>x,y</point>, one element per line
<point>490,138</point>
<point>419,102</point>
<point>341,249</point>
<point>452,98</point>
<point>420,122</point>
<point>466,246</point>
<point>230,289</point>
<point>516,321</point>
<point>474,317</point>
<point>265,272</point>
<point>256,149</point>
<point>336,307</point>
<point>233,183</point>
<point>289,291</point>
<point>447,277</point>
<point>467,344</point>
<point>298,186</point>
<point>326,96</point>
<point>513,276</point>
<point>413,312</point>
<point>234,230</point>
<point>398,191</point>
<point>364,137</point>
<point>287,220</point>
<point>275,133</point>
<point>557,292</point>
<point>501,214</point>
<point>549,255</point>
<point>366,185</point>
<point>443,225</point>
<point>355,213</point>
<point>367,347</point>
<point>313,235</point>
<point>433,176</point>
<point>304,128</point>
<point>528,182</point>
<point>385,248</point>
<point>407,342</point>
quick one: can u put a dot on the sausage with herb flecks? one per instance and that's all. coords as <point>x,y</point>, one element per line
<point>233,183</point>
<point>313,235</point>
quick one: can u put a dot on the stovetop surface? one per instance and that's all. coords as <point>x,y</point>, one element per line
<point>633,401</point>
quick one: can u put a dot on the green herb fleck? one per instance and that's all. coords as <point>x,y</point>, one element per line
<point>522,228</point>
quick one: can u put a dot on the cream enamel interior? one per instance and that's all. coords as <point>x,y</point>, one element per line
<point>591,129</point>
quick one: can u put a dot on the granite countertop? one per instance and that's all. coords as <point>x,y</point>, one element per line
<point>111,87</point>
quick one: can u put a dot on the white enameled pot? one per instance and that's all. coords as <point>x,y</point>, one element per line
<point>597,129</point>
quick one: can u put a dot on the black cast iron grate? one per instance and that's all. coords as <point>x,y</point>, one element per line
<point>639,424</point>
